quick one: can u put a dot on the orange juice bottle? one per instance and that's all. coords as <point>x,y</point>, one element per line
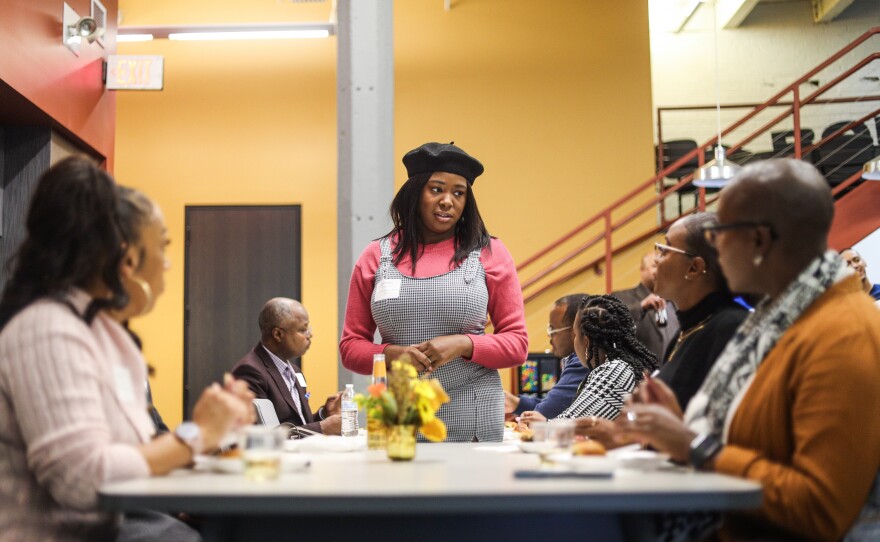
<point>376,436</point>
<point>379,374</point>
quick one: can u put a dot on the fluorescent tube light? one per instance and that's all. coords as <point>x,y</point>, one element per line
<point>249,35</point>
<point>133,37</point>
<point>254,31</point>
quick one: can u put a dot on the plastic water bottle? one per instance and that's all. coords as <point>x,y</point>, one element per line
<point>349,412</point>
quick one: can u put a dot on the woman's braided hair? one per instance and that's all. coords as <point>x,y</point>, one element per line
<point>607,323</point>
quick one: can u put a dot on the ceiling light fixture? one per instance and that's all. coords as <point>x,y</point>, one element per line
<point>718,172</point>
<point>229,31</point>
<point>871,171</point>
<point>77,29</point>
<point>133,37</point>
<point>243,31</point>
<point>250,35</point>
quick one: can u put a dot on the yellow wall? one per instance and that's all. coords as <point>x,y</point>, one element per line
<point>553,97</point>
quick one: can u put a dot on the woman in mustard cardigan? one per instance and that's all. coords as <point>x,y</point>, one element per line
<point>792,401</point>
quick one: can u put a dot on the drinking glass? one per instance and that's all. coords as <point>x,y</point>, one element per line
<point>261,448</point>
<point>562,437</point>
<point>553,440</point>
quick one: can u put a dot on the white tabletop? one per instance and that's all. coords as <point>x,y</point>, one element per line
<point>443,478</point>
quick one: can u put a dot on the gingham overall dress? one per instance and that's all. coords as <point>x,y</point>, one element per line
<point>448,304</point>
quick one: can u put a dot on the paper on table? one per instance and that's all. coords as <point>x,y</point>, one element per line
<point>326,444</point>
<point>235,465</point>
<point>503,449</point>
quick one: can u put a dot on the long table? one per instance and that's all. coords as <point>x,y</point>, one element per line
<point>449,492</point>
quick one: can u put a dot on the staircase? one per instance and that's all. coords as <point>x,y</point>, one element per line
<point>640,216</point>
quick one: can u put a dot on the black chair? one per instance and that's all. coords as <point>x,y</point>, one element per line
<point>672,152</point>
<point>756,157</point>
<point>740,156</point>
<point>840,158</point>
<point>783,144</point>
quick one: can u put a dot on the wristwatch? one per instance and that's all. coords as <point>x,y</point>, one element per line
<point>703,448</point>
<point>190,434</point>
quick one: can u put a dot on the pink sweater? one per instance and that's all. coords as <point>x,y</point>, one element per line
<point>506,347</point>
<point>72,414</point>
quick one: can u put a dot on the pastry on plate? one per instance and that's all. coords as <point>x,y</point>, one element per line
<point>588,447</point>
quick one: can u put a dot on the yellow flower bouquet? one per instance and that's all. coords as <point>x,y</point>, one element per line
<point>406,402</point>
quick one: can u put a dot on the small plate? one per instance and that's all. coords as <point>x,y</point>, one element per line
<point>592,464</point>
<point>642,459</point>
<point>235,465</point>
<point>225,465</point>
<point>326,444</point>
<point>532,447</point>
<point>510,435</point>
<point>293,463</point>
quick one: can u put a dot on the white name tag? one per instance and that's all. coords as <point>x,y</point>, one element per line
<point>388,289</point>
<point>124,388</point>
<point>301,379</point>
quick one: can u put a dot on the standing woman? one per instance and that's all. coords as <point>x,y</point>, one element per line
<point>427,287</point>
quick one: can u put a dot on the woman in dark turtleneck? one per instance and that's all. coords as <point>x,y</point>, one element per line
<point>689,275</point>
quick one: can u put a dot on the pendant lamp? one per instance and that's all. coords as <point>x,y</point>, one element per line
<point>718,172</point>
<point>871,171</point>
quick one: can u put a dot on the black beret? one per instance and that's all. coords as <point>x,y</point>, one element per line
<point>432,157</point>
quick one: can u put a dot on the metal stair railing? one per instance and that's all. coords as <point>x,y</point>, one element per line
<point>546,279</point>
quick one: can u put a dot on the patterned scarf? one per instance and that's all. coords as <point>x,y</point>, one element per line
<point>732,373</point>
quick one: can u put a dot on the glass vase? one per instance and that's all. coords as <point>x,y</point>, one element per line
<point>401,442</point>
<point>376,434</point>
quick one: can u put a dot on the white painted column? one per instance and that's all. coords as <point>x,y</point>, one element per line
<point>365,103</point>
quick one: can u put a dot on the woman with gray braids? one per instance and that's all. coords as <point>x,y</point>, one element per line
<point>605,340</point>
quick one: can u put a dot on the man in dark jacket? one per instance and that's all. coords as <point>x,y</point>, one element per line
<point>561,336</point>
<point>270,373</point>
<point>656,323</point>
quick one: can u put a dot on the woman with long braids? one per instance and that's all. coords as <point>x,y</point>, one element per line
<point>427,287</point>
<point>605,341</point>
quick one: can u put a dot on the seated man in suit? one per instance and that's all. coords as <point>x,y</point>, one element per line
<point>286,335</point>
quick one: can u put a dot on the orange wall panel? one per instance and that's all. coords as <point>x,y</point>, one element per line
<point>553,97</point>
<point>856,215</point>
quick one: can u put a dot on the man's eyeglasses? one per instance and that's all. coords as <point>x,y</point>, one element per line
<point>307,331</point>
<point>551,331</point>
<point>710,231</point>
<point>661,250</point>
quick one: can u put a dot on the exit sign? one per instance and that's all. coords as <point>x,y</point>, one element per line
<point>135,72</point>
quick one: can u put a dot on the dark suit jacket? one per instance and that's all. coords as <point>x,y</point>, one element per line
<point>656,338</point>
<point>263,378</point>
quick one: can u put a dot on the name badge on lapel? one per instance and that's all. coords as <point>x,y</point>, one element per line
<point>388,289</point>
<point>302,380</point>
<point>124,388</point>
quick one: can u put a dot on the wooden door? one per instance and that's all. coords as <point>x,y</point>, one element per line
<point>237,257</point>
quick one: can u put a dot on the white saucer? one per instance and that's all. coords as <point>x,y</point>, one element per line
<point>642,459</point>
<point>235,465</point>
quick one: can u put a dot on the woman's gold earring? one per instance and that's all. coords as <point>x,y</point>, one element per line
<point>757,260</point>
<point>148,294</point>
